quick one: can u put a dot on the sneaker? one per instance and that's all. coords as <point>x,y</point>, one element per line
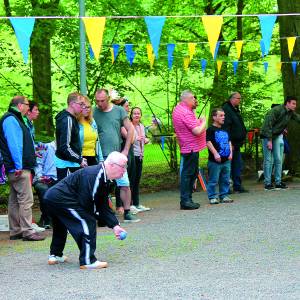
<point>53,260</point>
<point>94,266</point>
<point>44,224</point>
<point>240,191</point>
<point>189,205</point>
<point>134,210</point>
<point>226,199</point>
<point>214,201</point>
<point>37,228</point>
<point>281,186</point>
<point>34,237</point>
<point>269,187</point>
<point>129,218</point>
<point>143,208</point>
<point>15,237</point>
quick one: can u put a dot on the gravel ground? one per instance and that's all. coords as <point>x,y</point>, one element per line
<point>249,249</point>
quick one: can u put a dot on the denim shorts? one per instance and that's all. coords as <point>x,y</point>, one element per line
<point>123,181</point>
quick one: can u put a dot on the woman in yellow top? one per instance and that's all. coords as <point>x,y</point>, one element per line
<point>91,149</point>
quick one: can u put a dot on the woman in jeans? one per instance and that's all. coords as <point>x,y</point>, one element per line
<point>88,132</point>
<point>138,150</point>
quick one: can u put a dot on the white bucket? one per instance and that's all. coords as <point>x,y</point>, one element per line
<point>4,223</point>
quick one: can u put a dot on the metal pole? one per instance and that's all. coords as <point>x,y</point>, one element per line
<point>83,88</point>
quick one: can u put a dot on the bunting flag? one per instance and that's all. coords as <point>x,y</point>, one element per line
<point>294,67</point>
<point>219,65</point>
<point>114,51</point>
<point>162,139</point>
<point>250,66</point>
<point>212,26</point>
<point>23,28</point>
<point>266,65</point>
<point>112,55</point>
<point>278,66</point>
<point>170,49</point>
<point>192,50</point>
<point>262,48</point>
<point>203,65</point>
<point>291,43</point>
<point>130,54</point>
<point>238,46</point>
<point>217,50</point>
<point>186,63</point>
<point>267,25</point>
<point>235,66</point>
<point>94,28</point>
<point>150,55</point>
<point>155,26</point>
<point>91,53</point>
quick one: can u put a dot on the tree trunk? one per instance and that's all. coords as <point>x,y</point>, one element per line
<point>41,78</point>
<point>289,27</point>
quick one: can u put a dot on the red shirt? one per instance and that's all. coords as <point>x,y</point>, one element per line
<point>184,121</point>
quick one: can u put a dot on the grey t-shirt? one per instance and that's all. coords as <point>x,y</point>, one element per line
<point>109,128</point>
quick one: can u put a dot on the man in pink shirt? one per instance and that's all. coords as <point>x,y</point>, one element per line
<point>190,133</point>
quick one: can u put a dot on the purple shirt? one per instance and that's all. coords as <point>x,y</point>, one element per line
<point>184,121</point>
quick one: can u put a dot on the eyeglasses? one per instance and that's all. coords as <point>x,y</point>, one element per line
<point>25,103</point>
<point>80,104</point>
<point>86,107</point>
<point>121,166</point>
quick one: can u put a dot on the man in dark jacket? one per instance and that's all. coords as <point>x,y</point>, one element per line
<point>276,121</point>
<point>76,202</point>
<point>17,149</point>
<point>68,154</point>
<point>235,126</point>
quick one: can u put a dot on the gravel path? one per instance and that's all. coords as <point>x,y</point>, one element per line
<point>249,249</point>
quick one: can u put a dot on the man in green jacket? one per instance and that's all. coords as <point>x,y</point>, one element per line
<point>276,121</point>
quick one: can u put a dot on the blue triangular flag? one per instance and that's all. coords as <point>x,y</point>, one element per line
<point>262,48</point>
<point>203,65</point>
<point>266,64</point>
<point>170,62</point>
<point>92,55</point>
<point>155,26</point>
<point>23,28</point>
<point>216,50</point>
<point>162,143</point>
<point>235,66</point>
<point>294,66</point>
<point>116,48</point>
<point>170,49</point>
<point>267,25</point>
<point>130,54</point>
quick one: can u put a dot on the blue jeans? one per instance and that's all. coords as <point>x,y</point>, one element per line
<point>274,156</point>
<point>218,173</point>
<point>236,168</point>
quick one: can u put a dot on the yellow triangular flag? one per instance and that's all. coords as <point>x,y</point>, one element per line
<point>219,65</point>
<point>278,66</point>
<point>150,55</point>
<point>186,63</point>
<point>192,50</point>
<point>112,56</point>
<point>212,26</point>
<point>250,66</point>
<point>94,28</point>
<point>291,43</point>
<point>238,46</point>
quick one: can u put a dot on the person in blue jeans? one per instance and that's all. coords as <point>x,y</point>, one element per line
<point>219,159</point>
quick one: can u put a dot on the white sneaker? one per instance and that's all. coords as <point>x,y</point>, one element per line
<point>96,265</point>
<point>143,208</point>
<point>53,260</point>
<point>37,228</point>
<point>134,210</point>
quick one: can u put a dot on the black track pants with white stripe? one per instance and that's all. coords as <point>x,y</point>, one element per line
<point>82,227</point>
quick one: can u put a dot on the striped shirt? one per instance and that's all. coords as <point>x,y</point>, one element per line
<point>184,121</point>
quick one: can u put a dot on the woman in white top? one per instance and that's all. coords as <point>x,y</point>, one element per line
<point>138,150</point>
